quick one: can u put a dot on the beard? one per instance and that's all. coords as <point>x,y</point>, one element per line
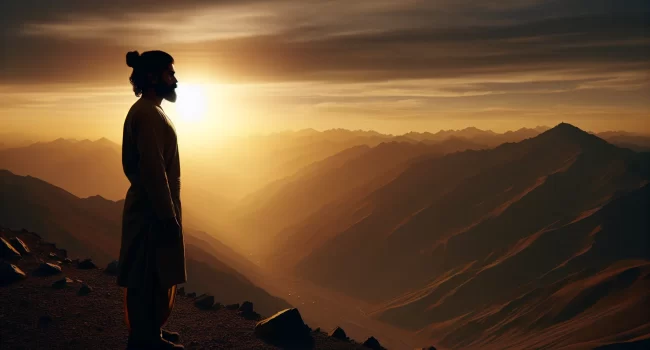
<point>168,92</point>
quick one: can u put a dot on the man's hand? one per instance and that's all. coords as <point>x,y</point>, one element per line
<point>171,231</point>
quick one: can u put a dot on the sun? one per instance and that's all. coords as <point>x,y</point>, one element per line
<point>191,102</point>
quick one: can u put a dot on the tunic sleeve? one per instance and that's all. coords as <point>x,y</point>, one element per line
<point>150,141</point>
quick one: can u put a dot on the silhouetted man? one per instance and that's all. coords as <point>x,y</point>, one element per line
<point>152,254</point>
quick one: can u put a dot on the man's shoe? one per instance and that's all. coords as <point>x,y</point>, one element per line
<point>173,337</point>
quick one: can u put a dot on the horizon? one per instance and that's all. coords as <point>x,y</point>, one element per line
<point>388,67</point>
<point>34,138</point>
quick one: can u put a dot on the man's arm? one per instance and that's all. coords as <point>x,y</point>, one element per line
<point>150,142</point>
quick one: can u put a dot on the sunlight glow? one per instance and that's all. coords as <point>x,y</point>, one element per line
<point>191,104</point>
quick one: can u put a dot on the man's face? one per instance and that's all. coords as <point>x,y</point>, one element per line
<point>166,86</point>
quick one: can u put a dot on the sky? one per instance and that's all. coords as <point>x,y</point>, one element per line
<point>391,66</point>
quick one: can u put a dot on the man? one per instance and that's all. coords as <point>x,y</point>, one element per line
<point>152,253</point>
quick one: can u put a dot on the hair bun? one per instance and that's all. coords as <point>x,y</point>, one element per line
<point>132,59</point>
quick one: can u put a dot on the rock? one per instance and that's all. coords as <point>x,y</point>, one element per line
<point>317,330</point>
<point>246,306</point>
<point>20,246</point>
<point>47,269</point>
<point>111,268</point>
<point>284,327</point>
<point>10,273</point>
<point>232,307</point>
<point>372,343</point>
<point>8,252</point>
<point>180,291</point>
<point>204,302</point>
<point>217,306</point>
<point>338,333</point>
<point>67,261</point>
<point>246,311</point>
<point>62,283</point>
<point>86,264</point>
<point>85,289</point>
<point>191,295</point>
<point>53,256</point>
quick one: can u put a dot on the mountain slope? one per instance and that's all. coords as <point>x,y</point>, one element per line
<point>92,227</point>
<point>37,316</point>
<point>492,221</point>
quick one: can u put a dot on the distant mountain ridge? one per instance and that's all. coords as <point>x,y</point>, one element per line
<point>444,227</point>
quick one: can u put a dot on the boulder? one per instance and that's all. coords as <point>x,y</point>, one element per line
<point>47,269</point>
<point>85,289</point>
<point>372,343</point>
<point>8,252</point>
<point>86,264</point>
<point>180,291</point>
<point>20,246</point>
<point>62,283</point>
<point>204,302</point>
<point>338,333</point>
<point>111,268</point>
<point>10,273</point>
<point>285,327</point>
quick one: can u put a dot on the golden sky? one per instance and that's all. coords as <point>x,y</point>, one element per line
<point>392,66</point>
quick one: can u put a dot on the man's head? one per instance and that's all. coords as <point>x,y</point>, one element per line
<point>153,71</point>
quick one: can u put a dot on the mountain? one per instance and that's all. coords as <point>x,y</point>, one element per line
<point>509,222</point>
<point>283,204</point>
<point>636,142</point>
<point>40,312</point>
<point>91,227</point>
<point>85,168</point>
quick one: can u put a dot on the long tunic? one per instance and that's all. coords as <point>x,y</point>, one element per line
<point>151,162</point>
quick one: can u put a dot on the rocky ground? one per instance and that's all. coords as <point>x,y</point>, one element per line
<point>86,311</point>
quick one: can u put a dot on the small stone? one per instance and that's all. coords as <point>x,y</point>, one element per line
<point>8,252</point>
<point>85,289</point>
<point>246,306</point>
<point>246,311</point>
<point>10,273</point>
<point>47,269</point>
<point>111,268</point>
<point>285,326</point>
<point>338,333</point>
<point>86,264</point>
<point>372,343</point>
<point>20,246</point>
<point>62,283</point>
<point>204,302</point>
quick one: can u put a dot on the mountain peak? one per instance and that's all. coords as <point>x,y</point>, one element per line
<point>565,132</point>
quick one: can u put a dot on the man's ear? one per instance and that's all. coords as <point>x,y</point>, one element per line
<point>152,78</point>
